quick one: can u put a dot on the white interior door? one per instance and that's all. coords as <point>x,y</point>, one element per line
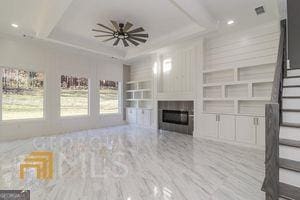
<point>245,129</point>
<point>227,127</point>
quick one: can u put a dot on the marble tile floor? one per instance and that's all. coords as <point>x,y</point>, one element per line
<point>130,163</point>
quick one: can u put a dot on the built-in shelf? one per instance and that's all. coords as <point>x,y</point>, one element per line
<point>238,90</point>
<point>139,94</point>
<point>238,99</point>
<point>239,67</point>
<point>269,80</point>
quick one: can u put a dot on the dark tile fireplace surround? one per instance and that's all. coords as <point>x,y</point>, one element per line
<point>177,116</point>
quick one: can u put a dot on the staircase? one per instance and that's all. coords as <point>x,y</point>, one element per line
<point>282,179</point>
<point>289,137</point>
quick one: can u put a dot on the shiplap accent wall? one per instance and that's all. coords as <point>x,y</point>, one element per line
<point>180,77</point>
<point>255,47</point>
<point>179,83</point>
<point>142,69</point>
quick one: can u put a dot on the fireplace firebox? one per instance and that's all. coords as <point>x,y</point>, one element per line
<point>176,117</point>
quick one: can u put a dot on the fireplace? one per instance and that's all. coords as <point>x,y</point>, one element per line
<point>176,116</point>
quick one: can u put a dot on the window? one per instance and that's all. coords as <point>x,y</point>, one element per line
<point>109,97</point>
<point>22,94</point>
<point>74,96</point>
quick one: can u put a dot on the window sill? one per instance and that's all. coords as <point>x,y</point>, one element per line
<point>75,117</point>
<point>110,114</point>
<point>13,121</point>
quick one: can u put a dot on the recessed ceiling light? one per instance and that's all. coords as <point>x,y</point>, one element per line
<point>15,25</point>
<point>230,22</point>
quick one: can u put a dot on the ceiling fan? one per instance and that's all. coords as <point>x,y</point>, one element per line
<point>122,32</point>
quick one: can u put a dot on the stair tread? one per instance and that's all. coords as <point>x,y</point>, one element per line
<point>288,142</point>
<point>292,77</point>
<point>290,125</point>
<point>290,110</point>
<point>289,164</point>
<point>291,86</point>
<point>291,97</point>
<point>289,191</point>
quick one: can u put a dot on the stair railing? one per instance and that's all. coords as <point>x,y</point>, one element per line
<point>273,120</point>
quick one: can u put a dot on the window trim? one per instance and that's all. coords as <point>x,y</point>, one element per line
<point>89,99</point>
<point>28,69</point>
<point>120,99</point>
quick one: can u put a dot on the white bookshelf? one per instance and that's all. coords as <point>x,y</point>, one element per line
<point>139,94</point>
<point>238,90</point>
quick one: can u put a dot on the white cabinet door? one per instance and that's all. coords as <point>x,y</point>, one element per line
<point>245,129</point>
<point>227,127</point>
<point>140,117</point>
<point>260,131</point>
<point>209,125</point>
<point>131,115</point>
<point>147,118</point>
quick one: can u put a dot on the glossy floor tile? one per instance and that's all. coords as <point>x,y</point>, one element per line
<point>128,163</point>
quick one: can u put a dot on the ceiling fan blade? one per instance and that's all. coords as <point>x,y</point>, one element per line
<point>116,42</point>
<point>103,35</point>
<point>102,31</point>
<point>140,35</point>
<point>115,24</point>
<point>132,41</point>
<point>136,30</point>
<point>138,39</point>
<point>128,25</point>
<point>106,27</point>
<point>108,39</point>
<point>125,43</point>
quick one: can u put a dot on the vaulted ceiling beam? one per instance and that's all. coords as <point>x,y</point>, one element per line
<point>195,10</point>
<point>50,15</point>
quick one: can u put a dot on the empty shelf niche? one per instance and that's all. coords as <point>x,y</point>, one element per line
<point>145,104</point>
<point>257,72</point>
<point>218,106</point>
<point>262,89</point>
<point>131,86</point>
<point>232,91</point>
<point>212,92</point>
<point>219,76</point>
<point>138,95</point>
<point>144,85</point>
<point>147,95</point>
<point>252,107</point>
<point>129,95</point>
<point>131,104</point>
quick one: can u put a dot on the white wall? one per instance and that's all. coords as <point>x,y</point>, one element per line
<point>55,60</point>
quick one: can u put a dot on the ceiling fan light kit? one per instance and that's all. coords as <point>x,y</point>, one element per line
<point>122,32</point>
